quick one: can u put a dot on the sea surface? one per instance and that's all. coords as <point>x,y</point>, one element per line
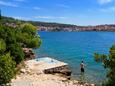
<point>73,47</point>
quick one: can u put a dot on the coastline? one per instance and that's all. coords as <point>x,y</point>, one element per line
<point>32,76</point>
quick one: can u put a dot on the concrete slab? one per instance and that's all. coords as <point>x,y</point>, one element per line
<point>44,63</point>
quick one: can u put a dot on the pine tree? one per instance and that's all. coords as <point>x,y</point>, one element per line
<point>108,63</point>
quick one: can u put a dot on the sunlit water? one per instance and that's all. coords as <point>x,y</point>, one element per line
<point>73,47</point>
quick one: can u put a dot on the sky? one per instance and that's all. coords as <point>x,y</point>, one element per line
<point>78,12</point>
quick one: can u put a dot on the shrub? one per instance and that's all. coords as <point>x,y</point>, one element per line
<point>16,52</point>
<point>7,69</point>
<point>35,42</point>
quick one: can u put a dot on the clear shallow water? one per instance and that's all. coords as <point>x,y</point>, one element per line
<point>73,47</point>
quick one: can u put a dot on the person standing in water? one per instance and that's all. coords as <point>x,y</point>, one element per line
<point>82,67</point>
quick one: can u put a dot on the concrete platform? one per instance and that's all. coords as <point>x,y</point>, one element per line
<point>48,65</point>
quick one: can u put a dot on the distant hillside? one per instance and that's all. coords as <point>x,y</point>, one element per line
<point>46,26</point>
<point>36,23</point>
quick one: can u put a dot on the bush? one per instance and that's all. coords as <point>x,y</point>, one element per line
<point>27,36</point>
<point>7,69</point>
<point>16,52</point>
<point>7,34</point>
<point>29,28</point>
<point>35,42</point>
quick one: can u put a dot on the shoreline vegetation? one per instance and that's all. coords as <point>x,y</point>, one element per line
<point>12,42</point>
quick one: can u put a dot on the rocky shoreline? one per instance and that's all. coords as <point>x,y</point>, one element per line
<point>29,76</point>
<point>32,74</point>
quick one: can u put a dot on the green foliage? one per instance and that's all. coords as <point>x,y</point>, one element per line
<point>16,52</point>
<point>35,42</point>
<point>7,34</point>
<point>13,40</point>
<point>7,69</point>
<point>2,46</point>
<point>28,37</point>
<point>29,28</point>
<point>109,64</point>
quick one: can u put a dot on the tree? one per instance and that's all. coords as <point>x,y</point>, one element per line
<point>7,69</point>
<point>13,40</point>
<point>35,42</point>
<point>28,36</point>
<point>8,43</point>
<point>108,63</point>
<point>16,38</point>
<point>7,34</point>
<point>29,28</point>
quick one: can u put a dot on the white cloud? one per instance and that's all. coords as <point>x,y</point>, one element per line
<point>19,0</point>
<point>50,17</point>
<point>8,4</point>
<point>36,8</point>
<point>110,9</point>
<point>104,1</point>
<point>39,17</point>
<point>21,18</point>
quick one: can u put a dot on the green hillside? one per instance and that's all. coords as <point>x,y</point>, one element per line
<point>36,23</point>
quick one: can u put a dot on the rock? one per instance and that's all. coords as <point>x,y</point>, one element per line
<point>29,54</point>
<point>92,85</point>
<point>75,82</point>
<point>66,72</point>
<point>31,76</point>
<point>23,71</point>
<point>17,77</point>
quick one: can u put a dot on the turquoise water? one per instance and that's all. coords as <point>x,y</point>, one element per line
<point>73,47</point>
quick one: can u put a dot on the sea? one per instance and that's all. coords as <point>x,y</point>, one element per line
<point>74,47</point>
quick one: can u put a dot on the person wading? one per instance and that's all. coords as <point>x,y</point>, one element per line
<point>82,67</point>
